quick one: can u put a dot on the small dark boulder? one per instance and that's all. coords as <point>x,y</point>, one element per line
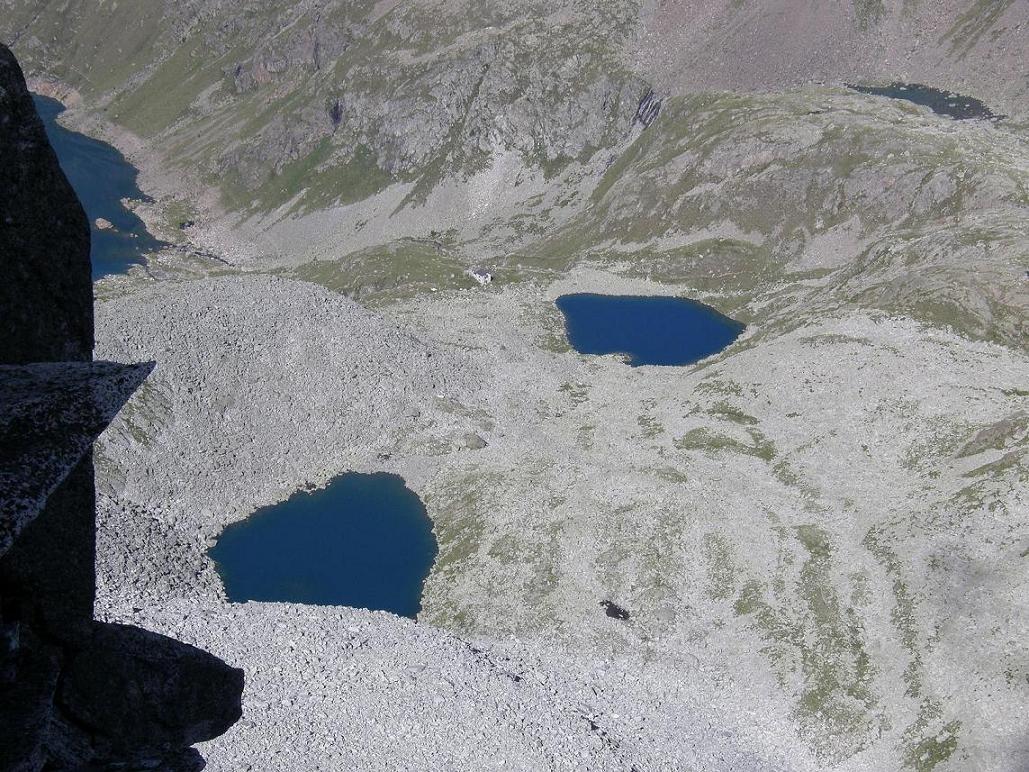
<point>613,610</point>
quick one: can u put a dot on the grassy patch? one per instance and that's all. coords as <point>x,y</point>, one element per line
<point>578,393</point>
<point>702,439</point>
<point>650,427</point>
<point>360,177</point>
<point>816,634</point>
<point>404,268</point>
<point>732,413</point>
<point>924,754</point>
<point>166,95</point>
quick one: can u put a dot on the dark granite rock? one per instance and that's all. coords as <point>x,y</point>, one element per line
<point>614,611</point>
<point>46,291</point>
<point>47,579</point>
<point>144,692</point>
<point>49,417</point>
<point>28,679</point>
<point>74,693</point>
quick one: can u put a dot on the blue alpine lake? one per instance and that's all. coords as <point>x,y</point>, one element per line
<point>940,102</point>
<point>101,178</point>
<point>365,541</point>
<point>648,330</point>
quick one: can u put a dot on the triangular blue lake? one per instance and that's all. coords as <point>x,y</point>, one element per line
<point>365,541</point>
<point>648,330</point>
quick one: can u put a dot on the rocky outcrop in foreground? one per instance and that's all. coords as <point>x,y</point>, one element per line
<point>74,693</point>
<point>45,237</point>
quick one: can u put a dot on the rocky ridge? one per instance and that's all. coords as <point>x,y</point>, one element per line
<point>822,522</point>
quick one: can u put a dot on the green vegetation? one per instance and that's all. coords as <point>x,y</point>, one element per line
<point>578,393</point>
<point>650,426</point>
<point>403,268</point>
<point>92,58</point>
<point>177,213</point>
<point>316,181</point>
<point>821,636</point>
<point>167,94</point>
<point>705,440</point>
<point>732,413</point>
<point>935,750</point>
<point>925,747</point>
<point>712,384</point>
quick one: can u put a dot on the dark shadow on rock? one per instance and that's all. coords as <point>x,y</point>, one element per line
<point>146,693</point>
<point>74,693</point>
<point>49,417</point>
<point>47,292</point>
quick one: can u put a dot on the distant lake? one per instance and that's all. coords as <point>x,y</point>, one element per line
<point>101,178</point>
<point>648,330</point>
<point>363,541</point>
<point>941,102</point>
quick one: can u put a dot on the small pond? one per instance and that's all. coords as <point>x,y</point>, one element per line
<point>365,540</point>
<point>939,101</point>
<point>101,178</point>
<point>648,330</point>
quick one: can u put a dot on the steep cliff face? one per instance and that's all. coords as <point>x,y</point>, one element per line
<point>315,103</point>
<point>73,692</point>
<point>46,293</point>
<point>349,97</point>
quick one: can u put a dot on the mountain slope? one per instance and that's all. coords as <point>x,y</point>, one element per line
<point>826,521</point>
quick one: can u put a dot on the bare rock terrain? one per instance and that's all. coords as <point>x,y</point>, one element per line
<point>853,439</point>
<point>816,538</point>
<point>699,45</point>
<point>264,386</point>
<point>334,688</point>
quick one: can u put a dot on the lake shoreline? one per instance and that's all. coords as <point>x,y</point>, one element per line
<point>105,183</point>
<point>364,540</point>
